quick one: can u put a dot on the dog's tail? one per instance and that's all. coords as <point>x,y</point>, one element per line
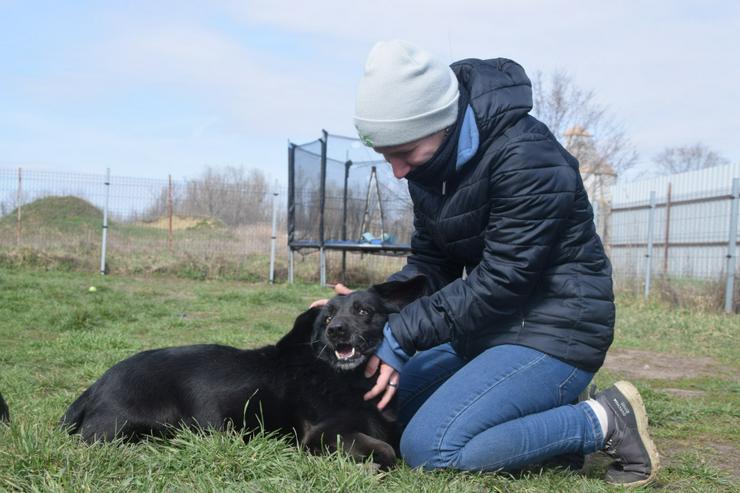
<point>72,419</point>
<point>4,411</point>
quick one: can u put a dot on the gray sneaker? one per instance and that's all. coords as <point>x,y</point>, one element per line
<point>627,439</point>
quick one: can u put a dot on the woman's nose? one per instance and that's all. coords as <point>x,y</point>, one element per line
<point>400,168</point>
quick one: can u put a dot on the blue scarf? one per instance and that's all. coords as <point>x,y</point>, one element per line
<point>467,143</point>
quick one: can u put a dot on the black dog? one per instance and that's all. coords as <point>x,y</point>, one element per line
<point>311,383</point>
<point>4,411</point>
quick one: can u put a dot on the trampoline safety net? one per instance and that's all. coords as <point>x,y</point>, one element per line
<point>342,195</point>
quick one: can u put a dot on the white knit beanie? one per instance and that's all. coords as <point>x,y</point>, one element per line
<point>405,94</point>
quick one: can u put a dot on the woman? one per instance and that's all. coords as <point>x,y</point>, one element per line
<point>488,365</point>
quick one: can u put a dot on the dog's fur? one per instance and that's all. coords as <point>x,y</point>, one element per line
<point>311,383</point>
<point>4,411</point>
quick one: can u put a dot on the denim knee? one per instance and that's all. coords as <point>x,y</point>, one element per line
<point>416,449</point>
<point>419,447</point>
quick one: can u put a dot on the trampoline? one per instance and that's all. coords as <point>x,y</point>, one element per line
<point>342,196</point>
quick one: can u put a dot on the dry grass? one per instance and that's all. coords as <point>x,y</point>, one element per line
<point>180,223</point>
<point>699,294</point>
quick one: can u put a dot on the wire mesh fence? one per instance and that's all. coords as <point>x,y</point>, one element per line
<point>678,244</point>
<point>218,224</point>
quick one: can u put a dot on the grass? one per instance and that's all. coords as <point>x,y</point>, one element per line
<point>67,213</point>
<point>57,337</point>
<point>678,329</point>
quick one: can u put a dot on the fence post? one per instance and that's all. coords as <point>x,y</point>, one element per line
<point>273,238</point>
<point>105,222</point>
<point>732,247</point>
<point>667,234</point>
<point>169,213</point>
<point>18,205</point>
<point>649,254</point>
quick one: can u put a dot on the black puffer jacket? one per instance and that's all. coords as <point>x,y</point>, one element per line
<point>517,217</point>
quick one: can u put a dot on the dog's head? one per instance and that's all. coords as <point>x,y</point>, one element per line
<point>349,329</point>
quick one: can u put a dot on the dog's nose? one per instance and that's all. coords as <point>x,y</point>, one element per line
<point>335,330</point>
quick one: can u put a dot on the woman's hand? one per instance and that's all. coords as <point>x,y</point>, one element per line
<point>387,381</point>
<point>339,289</point>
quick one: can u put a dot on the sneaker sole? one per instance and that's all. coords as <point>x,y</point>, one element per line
<point>633,396</point>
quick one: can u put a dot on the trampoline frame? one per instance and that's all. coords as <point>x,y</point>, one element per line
<point>321,243</point>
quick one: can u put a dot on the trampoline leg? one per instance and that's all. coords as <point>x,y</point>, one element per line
<point>322,267</point>
<point>290,266</point>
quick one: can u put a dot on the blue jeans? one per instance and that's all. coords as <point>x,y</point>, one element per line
<point>507,408</point>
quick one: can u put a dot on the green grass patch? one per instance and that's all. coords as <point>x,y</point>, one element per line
<point>57,337</point>
<point>677,329</point>
<point>64,213</point>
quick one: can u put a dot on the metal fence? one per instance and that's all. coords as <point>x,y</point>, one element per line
<point>221,223</point>
<point>226,223</point>
<point>676,229</point>
<point>672,231</point>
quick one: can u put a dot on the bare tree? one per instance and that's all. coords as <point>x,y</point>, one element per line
<point>687,158</point>
<point>585,127</point>
<point>232,195</point>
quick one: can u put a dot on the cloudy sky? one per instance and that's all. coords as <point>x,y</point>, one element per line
<point>150,88</point>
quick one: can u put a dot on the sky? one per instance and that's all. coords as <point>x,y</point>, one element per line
<point>151,88</point>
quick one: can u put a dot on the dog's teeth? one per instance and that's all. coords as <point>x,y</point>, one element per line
<point>344,356</point>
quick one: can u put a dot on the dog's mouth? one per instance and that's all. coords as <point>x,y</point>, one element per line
<point>346,352</point>
<point>348,356</point>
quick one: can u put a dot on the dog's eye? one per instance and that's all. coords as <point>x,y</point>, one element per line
<point>328,319</point>
<point>362,311</point>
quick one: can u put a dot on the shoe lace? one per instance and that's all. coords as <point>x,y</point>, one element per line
<point>611,451</point>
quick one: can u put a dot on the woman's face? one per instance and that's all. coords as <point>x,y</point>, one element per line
<point>403,158</point>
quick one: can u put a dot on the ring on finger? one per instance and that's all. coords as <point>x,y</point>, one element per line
<point>393,384</point>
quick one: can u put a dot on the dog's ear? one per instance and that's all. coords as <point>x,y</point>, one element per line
<point>397,294</point>
<point>301,331</point>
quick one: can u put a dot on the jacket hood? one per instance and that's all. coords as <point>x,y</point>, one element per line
<point>499,92</point>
